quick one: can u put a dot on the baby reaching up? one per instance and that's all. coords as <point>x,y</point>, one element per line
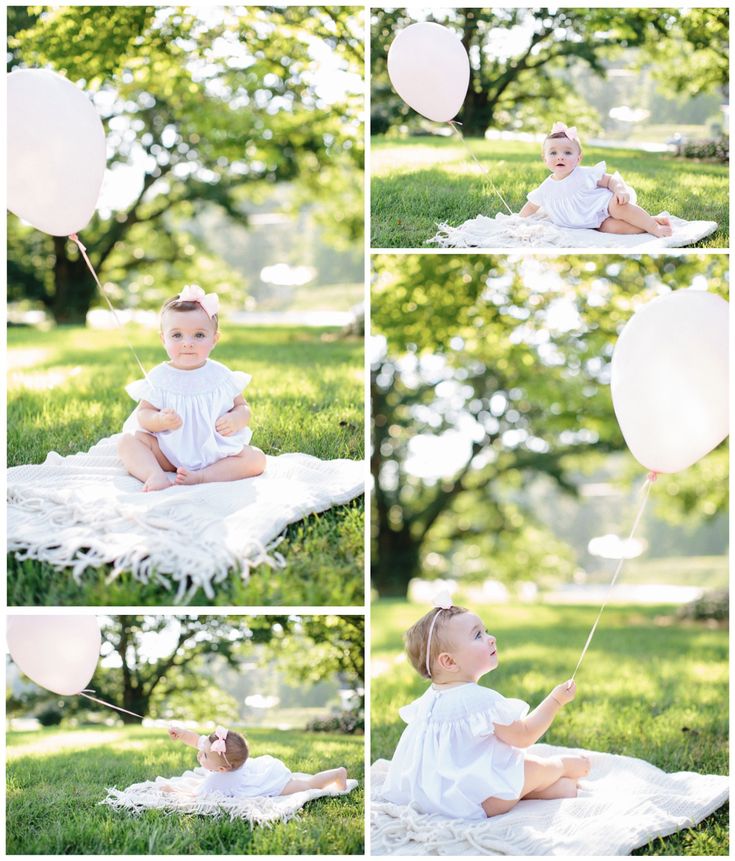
<point>576,196</point>
<point>232,771</point>
<point>462,753</point>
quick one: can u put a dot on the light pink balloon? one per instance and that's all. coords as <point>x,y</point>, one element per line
<point>669,380</point>
<point>59,653</point>
<point>56,152</point>
<point>430,70</point>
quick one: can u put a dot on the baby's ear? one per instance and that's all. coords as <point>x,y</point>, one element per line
<point>447,662</point>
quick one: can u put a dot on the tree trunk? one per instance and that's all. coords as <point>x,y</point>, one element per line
<point>396,562</point>
<point>74,287</point>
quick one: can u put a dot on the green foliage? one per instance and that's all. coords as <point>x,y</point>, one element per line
<point>525,83</point>
<point>514,354</point>
<point>217,106</point>
<point>414,186</point>
<point>346,722</point>
<point>55,781</point>
<point>66,392</point>
<point>649,687</point>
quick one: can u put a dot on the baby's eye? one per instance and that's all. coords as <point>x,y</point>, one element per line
<point>200,335</point>
<point>176,335</point>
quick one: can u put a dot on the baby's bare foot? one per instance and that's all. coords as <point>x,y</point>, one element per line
<point>159,481</point>
<point>664,227</point>
<point>341,780</point>
<point>186,476</point>
<point>576,766</point>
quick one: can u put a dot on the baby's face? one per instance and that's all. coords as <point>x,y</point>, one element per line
<point>188,337</point>
<point>561,156</point>
<point>470,645</point>
<point>210,761</point>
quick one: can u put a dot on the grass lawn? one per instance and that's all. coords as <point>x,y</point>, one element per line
<point>417,183</point>
<point>649,687</point>
<point>56,779</point>
<point>66,391</point>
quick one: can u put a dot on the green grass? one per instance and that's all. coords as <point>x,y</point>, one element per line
<point>648,688</point>
<point>417,184</point>
<point>56,779</point>
<point>65,392</point>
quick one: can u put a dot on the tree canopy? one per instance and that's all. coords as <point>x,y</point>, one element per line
<point>518,58</point>
<point>506,362</point>
<point>202,107</point>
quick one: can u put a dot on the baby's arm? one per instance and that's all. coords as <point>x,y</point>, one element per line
<point>616,186</point>
<point>188,736</point>
<point>236,419</point>
<point>528,209</point>
<point>522,733</point>
<point>152,419</point>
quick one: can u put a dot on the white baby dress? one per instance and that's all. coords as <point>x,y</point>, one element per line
<point>448,759</point>
<point>200,397</point>
<point>257,776</point>
<point>576,200</point>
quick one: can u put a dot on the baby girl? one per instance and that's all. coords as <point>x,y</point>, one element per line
<point>226,756</point>
<point>191,423</point>
<point>575,196</point>
<point>462,753</point>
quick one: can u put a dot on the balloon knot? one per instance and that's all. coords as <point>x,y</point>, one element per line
<point>652,476</point>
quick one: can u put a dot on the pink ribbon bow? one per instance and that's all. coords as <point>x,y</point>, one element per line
<point>570,132</point>
<point>219,746</point>
<point>208,301</point>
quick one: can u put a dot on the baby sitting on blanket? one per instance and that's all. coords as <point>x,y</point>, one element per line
<point>462,751</point>
<point>191,422</point>
<point>226,756</point>
<point>575,196</point>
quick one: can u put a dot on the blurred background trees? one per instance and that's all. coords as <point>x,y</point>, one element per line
<point>496,453</point>
<point>219,122</point>
<point>623,73</point>
<point>276,670</point>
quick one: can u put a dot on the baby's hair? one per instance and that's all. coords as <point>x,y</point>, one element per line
<point>560,135</point>
<point>417,635</point>
<point>176,304</point>
<point>236,749</point>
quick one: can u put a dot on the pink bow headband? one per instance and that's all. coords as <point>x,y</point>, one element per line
<point>208,301</point>
<point>442,601</point>
<point>569,131</point>
<point>219,746</point>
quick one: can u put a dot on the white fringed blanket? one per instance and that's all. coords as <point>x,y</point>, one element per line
<point>85,511</point>
<point>512,231</point>
<point>181,797</point>
<point>622,804</point>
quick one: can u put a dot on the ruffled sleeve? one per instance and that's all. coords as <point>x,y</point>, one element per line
<point>535,196</point>
<point>142,390</point>
<point>498,709</point>
<point>596,172</point>
<point>239,381</point>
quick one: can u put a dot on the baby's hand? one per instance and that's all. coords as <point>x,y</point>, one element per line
<point>169,419</point>
<point>621,197</point>
<point>226,425</point>
<point>175,732</point>
<point>565,692</point>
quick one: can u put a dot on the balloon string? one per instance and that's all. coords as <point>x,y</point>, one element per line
<point>453,124</point>
<point>109,705</point>
<point>83,252</point>
<point>645,490</point>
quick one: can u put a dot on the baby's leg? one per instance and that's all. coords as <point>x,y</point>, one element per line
<point>639,218</point>
<point>144,460</point>
<point>565,787</point>
<point>615,225</point>
<point>250,462</point>
<point>540,775</point>
<point>321,780</point>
